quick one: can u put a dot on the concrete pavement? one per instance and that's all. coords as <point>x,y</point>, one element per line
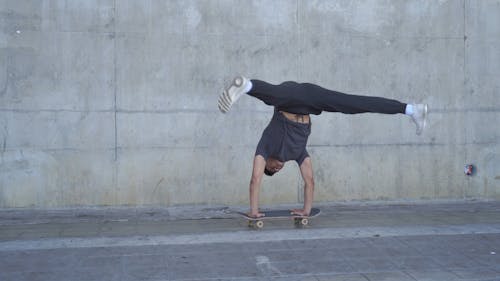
<point>364,241</point>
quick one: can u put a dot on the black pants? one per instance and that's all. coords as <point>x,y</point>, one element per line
<point>307,98</point>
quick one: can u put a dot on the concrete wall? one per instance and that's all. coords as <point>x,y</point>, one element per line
<point>109,102</point>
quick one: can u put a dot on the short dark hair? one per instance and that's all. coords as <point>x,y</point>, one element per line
<point>268,173</point>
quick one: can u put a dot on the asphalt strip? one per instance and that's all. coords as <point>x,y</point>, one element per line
<point>248,236</point>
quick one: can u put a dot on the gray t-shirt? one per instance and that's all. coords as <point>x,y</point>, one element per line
<point>284,139</point>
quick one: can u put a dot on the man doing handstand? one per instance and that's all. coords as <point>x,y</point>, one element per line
<point>285,138</point>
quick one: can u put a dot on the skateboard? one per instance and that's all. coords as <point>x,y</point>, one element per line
<point>280,214</point>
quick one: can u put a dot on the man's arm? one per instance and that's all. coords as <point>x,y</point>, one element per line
<point>259,164</point>
<point>307,175</point>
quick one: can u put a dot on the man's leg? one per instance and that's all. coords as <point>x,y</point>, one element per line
<point>274,95</point>
<point>333,101</point>
<point>307,98</point>
<point>283,96</point>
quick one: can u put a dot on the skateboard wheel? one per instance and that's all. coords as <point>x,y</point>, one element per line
<point>250,223</point>
<point>301,221</point>
<point>259,224</point>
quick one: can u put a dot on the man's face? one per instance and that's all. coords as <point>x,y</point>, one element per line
<point>274,165</point>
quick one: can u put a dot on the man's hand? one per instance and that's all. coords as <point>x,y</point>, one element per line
<point>255,214</point>
<point>259,163</point>
<point>307,175</point>
<point>301,212</point>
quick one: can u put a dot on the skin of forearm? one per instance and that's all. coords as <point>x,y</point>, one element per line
<point>308,197</point>
<point>254,196</point>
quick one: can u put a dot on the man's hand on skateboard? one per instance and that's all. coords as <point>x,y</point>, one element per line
<point>300,212</point>
<point>255,214</point>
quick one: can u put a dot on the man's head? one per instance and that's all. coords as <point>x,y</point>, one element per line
<point>273,166</point>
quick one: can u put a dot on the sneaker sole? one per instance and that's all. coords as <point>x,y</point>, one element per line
<point>225,100</point>
<point>424,124</point>
<point>224,103</point>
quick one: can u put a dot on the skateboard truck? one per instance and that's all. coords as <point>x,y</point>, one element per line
<point>255,223</point>
<point>258,223</point>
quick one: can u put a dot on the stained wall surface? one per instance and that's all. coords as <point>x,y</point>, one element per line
<point>114,102</point>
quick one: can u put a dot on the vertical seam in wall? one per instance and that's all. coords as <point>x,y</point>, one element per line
<point>467,185</point>
<point>297,17</point>
<point>115,80</point>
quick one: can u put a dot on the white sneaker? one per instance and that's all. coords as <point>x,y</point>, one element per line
<point>231,94</point>
<point>419,116</point>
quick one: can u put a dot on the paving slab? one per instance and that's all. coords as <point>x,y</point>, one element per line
<point>369,242</point>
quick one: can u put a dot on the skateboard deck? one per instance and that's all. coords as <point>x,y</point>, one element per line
<point>280,214</point>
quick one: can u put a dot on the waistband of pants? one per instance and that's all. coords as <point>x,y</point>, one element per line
<point>296,118</point>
